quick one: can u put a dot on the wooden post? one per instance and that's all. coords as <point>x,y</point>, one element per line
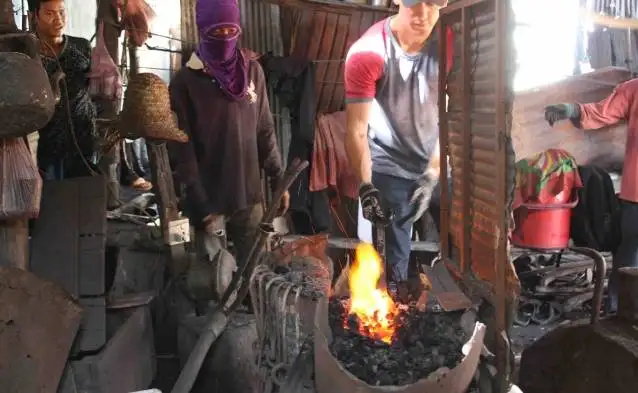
<point>164,189</point>
<point>628,294</point>
<point>109,162</point>
<point>14,235</point>
<point>14,244</point>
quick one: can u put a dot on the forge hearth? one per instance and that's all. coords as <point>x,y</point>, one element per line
<point>422,343</point>
<point>428,352</point>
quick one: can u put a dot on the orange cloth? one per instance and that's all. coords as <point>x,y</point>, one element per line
<point>330,166</point>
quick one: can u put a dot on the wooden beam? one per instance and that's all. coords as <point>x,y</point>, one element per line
<point>14,244</point>
<point>109,162</point>
<point>609,21</point>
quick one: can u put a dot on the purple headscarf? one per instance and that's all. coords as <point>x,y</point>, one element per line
<point>222,57</point>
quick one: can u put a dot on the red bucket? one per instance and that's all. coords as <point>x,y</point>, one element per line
<point>543,226</point>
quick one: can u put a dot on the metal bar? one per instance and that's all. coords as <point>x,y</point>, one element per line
<point>345,243</point>
<point>466,56</point>
<point>444,141</point>
<point>459,5</point>
<point>502,15</point>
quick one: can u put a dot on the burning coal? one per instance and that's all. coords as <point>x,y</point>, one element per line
<point>384,343</point>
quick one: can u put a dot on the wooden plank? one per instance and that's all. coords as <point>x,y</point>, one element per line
<point>54,243</point>
<point>69,238</point>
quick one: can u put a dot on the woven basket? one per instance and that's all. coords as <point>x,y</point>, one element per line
<point>147,110</point>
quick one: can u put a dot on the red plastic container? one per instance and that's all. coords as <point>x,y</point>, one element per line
<point>543,227</point>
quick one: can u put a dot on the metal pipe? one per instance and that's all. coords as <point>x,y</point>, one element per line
<point>599,279</point>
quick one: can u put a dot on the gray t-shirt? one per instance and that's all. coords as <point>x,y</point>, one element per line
<point>404,121</point>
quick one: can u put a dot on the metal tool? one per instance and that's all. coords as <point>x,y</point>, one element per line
<point>379,244</point>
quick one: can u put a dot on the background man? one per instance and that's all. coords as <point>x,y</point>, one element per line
<point>221,102</point>
<point>621,105</point>
<point>391,82</point>
<point>66,144</point>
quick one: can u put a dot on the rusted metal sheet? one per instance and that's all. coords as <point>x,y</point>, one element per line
<point>260,21</point>
<point>476,138</point>
<point>323,32</point>
<point>126,364</point>
<point>531,134</point>
<point>38,322</point>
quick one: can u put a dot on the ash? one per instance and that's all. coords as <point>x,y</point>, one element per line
<point>423,343</point>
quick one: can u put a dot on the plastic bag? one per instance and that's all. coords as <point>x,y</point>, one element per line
<point>136,17</point>
<point>20,181</point>
<point>105,79</point>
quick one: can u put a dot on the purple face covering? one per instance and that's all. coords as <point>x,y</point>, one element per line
<point>221,55</point>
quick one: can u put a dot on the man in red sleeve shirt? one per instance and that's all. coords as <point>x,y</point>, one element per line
<point>621,105</point>
<point>391,82</point>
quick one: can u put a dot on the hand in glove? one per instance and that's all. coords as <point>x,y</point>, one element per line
<point>421,196</point>
<point>558,112</point>
<point>371,204</point>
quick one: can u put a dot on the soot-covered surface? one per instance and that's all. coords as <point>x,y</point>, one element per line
<point>423,343</point>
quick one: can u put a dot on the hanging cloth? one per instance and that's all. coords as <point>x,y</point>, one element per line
<point>105,79</point>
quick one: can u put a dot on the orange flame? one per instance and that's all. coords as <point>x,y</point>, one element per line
<point>373,306</point>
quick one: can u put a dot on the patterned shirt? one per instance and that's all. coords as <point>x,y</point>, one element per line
<point>404,120</point>
<point>72,127</point>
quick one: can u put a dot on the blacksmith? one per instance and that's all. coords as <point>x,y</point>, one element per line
<point>66,147</point>
<point>221,102</point>
<point>621,105</point>
<point>391,82</point>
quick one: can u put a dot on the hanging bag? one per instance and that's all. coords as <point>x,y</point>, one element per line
<point>105,79</point>
<point>136,18</point>
<point>20,181</point>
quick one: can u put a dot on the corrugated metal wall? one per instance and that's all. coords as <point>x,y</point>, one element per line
<point>261,33</point>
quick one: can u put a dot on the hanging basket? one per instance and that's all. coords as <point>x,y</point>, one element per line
<point>27,101</point>
<point>147,110</point>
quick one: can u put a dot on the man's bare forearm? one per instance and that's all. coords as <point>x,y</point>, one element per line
<point>357,140</point>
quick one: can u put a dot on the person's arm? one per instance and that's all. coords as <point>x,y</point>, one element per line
<point>268,150</point>
<point>609,111</point>
<point>186,159</point>
<point>362,70</point>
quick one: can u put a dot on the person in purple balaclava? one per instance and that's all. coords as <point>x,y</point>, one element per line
<point>220,100</point>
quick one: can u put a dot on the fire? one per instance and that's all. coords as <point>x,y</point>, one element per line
<point>373,306</point>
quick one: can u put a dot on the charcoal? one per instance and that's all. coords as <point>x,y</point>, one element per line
<point>422,343</point>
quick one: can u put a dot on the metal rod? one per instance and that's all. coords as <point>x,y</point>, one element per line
<point>599,278</point>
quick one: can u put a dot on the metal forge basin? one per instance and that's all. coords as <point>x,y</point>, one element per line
<point>332,377</point>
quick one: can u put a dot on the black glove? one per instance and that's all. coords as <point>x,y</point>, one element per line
<point>421,196</point>
<point>371,204</point>
<point>557,112</point>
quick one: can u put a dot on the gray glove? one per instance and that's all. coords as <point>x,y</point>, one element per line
<point>421,196</point>
<point>558,112</point>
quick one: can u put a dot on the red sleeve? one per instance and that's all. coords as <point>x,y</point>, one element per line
<point>449,50</point>
<point>609,111</point>
<point>364,67</point>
